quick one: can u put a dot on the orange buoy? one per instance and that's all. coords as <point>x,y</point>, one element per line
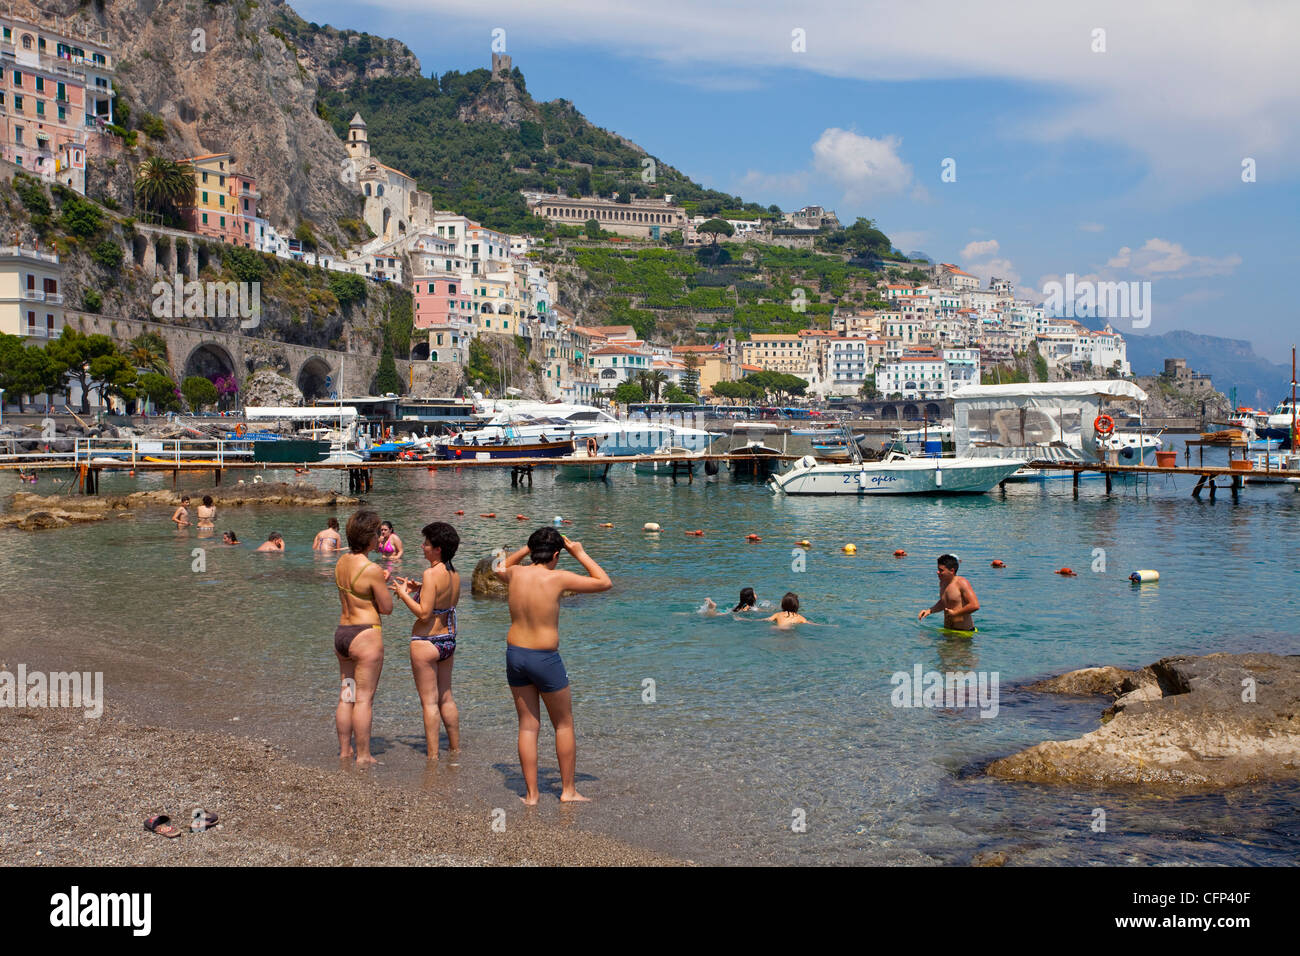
<point>900,553</point>
<point>1066,573</point>
<point>607,524</point>
<point>998,564</point>
<point>490,514</point>
<point>697,533</point>
<point>458,512</point>
<point>521,517</point>
<point>752,537</point>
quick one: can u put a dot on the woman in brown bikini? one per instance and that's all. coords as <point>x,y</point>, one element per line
<point>358,642</point>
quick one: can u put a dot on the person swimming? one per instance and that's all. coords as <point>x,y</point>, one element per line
<point>789,614</point>
<point>228,537</point>
<point>328,539</point>
<point>207,515</point>
<point>182,513</point>
<point>433,635</point>
<point>533,663</point>
<point>390,545</point>
<point>358,639</point>
<point>748,601</point>
<point>274,542</point>
<point>957,598</point>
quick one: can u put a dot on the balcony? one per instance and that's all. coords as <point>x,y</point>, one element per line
<point>34,295</point>
<point>54,298</point>
<point>40,332</point>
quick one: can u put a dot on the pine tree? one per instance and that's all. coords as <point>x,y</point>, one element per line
<point>387,379</point>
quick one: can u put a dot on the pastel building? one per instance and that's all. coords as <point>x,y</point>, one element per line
<point>56,90</point>
<point>225,202</point>
<point>31,293</point>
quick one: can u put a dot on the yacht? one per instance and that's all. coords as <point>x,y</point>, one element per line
<point>556,421</point>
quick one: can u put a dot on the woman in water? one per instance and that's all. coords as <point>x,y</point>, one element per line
<point>228,537</point>
<point>328,540</point>
<point>207,515</point>
<point>748,601</point>
<point>358,641</point>
<point>433,636</point>
<point>789,614</point>
<point>390,545</point>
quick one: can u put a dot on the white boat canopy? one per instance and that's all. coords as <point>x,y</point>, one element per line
<point>1115,390</point>
<point>1036,420</point>
<point>295,414</point>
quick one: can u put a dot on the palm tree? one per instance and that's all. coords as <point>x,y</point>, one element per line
<point>164,185</point>
<point>651,383</point>
<point>148,351</point>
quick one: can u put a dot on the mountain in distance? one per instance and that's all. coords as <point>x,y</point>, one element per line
<point>1232,363</point>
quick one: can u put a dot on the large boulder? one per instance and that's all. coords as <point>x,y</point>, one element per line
<point>485,583</point>
<point>266,386</point>
<point>1210,722</point>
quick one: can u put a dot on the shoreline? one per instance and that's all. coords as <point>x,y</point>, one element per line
<point>78,792</point>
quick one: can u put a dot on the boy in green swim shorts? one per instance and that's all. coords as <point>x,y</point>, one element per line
<point>957,598</point>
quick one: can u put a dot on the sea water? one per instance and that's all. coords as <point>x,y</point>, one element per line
<point>716,738</point>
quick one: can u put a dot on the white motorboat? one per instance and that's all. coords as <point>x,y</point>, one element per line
<point>684,461</point>
<point>1133,447</point>
<point>530,421</point>
<point>896,474</point>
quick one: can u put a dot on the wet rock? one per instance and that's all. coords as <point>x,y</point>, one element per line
<point>485,583</point>
<point>1111,681</point>
<point>41,521</point>
<point>1210,722</point>
<point>989,858</point>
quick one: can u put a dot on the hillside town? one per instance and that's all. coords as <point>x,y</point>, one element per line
<point>468,281</point>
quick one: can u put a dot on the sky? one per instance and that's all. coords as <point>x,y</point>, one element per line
<point>1135,142</point>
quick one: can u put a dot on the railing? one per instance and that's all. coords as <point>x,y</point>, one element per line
<point>129,452</point>
<point>34,295</point>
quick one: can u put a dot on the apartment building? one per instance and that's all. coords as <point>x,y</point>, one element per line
<point>56,90</point>
<point>775,352</point>
<point>225,201</point>
<point>31,293</point>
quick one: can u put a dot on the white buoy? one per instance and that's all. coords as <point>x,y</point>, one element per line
<point>651,526</point>
<point>557,520</point>
<point>1144,577</point>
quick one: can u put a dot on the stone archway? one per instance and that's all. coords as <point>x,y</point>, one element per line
<point>889,411</point>
<point>911,412</point>
<point>420,352</point>
<point>933,412</point>
<point>314,380</point>
<point>209,360</point>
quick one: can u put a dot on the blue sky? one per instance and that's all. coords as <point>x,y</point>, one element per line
<point>1114,156</point>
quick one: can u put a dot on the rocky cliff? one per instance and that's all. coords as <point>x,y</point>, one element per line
<point>239,77</point>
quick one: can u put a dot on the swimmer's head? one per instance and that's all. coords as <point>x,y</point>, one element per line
<point>442,536</point>
<point>948,562</point>
<point>790,602</point>
<point>544,544</point>
<point>385,528</point>
<point>363,531</point>
<point>229,537</point>
<point>275,536</point>
<point>185,499</point>
<point>333,523</point>
<point>747,599</point>
<point>207,501</point>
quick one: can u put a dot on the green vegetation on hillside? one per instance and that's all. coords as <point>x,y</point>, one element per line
<point>478,168</point>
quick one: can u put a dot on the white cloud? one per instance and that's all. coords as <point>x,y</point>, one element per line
<point>979,249</point>
<point>1156,259</point>
<point>861,166</point>
<point>1169,73</point>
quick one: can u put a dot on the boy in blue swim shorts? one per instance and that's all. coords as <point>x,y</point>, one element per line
<point>534,669</point>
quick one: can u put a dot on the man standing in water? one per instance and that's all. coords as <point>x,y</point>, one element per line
<point>533,664</point>
<point>957,598</point>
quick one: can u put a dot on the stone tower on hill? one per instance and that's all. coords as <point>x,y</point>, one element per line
<point>501,65</point>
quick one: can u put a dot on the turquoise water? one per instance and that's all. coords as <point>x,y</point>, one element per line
<point>749,726</point>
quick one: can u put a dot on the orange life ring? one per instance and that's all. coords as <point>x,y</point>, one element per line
<point>1104,425</point>
<point>240,429</point>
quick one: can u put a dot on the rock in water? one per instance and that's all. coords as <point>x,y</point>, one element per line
<point>1210,722</point>
<point>485,583</point>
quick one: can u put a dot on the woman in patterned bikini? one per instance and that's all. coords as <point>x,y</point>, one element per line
<point>433,636</point>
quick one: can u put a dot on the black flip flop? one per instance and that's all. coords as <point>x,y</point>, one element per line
<point>161,824</point>
<point>202,820</point>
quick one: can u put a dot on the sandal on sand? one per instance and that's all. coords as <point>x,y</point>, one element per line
<point>159,824</point>
<point>202,820</point>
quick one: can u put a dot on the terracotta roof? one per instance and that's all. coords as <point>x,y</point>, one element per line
<point>752,368</point>
<point>684,349</point>
<point>615,348</point>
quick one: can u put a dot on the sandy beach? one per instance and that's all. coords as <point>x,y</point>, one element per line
<point>76,792</point>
